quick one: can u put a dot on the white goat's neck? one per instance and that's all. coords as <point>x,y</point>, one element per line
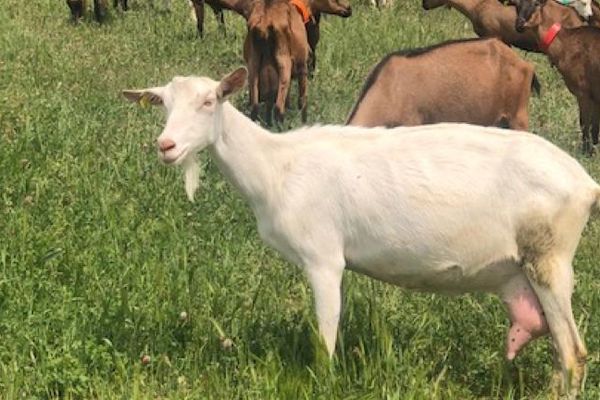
<point>247,155</point>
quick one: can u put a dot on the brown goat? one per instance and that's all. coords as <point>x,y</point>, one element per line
<point>490,18</point>
<point>312,18</point>
<point>276,50</point>
<point>78,8</point>
<point>575,53</point>
<point>478,81</point>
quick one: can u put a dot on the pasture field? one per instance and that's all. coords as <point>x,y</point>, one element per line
<point>100,251</point>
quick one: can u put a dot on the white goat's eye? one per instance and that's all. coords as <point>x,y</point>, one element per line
<point>208,103</point>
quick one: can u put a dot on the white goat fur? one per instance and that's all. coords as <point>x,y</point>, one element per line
<point>437,207</point>
<point>583,7</point>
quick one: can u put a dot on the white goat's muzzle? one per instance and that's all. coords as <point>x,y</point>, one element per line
<point>173,156</point>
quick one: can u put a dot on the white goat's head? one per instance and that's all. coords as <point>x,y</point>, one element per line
<point>194,117</point>
<point>583,7</point>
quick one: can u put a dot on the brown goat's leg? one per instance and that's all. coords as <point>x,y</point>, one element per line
<point>220,16</point>
<point>595,124</point>
<point>99,10</point>
<point>199,10</point>
<point>302,88</point>
<point>288,102</point>
<point>313,34</point>
<point>253,65</point>
<point>76,7</point>
<point>284,66</point>
<point>123,4</point>
<point>269,111</point>
<point>585,123</point>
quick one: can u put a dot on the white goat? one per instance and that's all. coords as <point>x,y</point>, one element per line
<point>448,208</point>
<point>583,7</point>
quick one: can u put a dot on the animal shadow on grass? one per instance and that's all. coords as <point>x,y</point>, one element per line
<point>293,343</point>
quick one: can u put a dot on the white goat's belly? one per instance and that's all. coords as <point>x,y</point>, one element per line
<point>438,274</point>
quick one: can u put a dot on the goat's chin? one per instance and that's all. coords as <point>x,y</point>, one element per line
<point>191,175</point>
<point>173,157</point>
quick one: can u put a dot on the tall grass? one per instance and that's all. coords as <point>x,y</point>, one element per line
<point>100,252</point>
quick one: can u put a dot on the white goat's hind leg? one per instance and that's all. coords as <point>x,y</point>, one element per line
<point>552,281</point>
<point>326,280</point>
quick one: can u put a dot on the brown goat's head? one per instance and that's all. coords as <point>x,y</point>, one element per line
<point>341,8</point>
<point>528,14</point>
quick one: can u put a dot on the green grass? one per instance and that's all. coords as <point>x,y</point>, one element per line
<point>100,251</point>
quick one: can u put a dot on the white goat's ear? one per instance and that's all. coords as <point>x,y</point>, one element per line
<point>231,83</point>
<point>145,97</point>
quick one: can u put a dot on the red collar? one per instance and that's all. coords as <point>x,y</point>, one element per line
<point>550,36</point>
<point>302,9</point>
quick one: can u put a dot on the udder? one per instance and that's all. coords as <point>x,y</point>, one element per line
<point>527,320</point>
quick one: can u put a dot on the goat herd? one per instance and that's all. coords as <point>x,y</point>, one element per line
<point>448,207</point>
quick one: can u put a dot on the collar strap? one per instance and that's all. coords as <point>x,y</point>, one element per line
<point>550,36</point>
<point>302,9</point>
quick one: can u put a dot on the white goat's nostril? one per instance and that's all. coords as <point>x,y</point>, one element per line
<point>166,145</point>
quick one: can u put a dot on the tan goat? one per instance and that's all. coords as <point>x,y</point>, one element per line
<point>310,10</point>
<point>490,18</point>
<point>276,50</point>
<point>479,81</point>
<point>575,53</point>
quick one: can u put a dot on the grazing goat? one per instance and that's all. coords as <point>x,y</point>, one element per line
<point>78,8</point>
<point>479,81</point>
<point>492,18</point>
<point>446,208</point>
<point>575,53</point>
<point>276,50</point>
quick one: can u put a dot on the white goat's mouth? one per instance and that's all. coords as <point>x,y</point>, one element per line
<point>174,156</point>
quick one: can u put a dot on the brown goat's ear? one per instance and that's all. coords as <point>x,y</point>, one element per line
<point>232,83</point>
<point>145,97</point>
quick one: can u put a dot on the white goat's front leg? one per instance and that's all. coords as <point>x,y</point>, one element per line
<point>326,281</point>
